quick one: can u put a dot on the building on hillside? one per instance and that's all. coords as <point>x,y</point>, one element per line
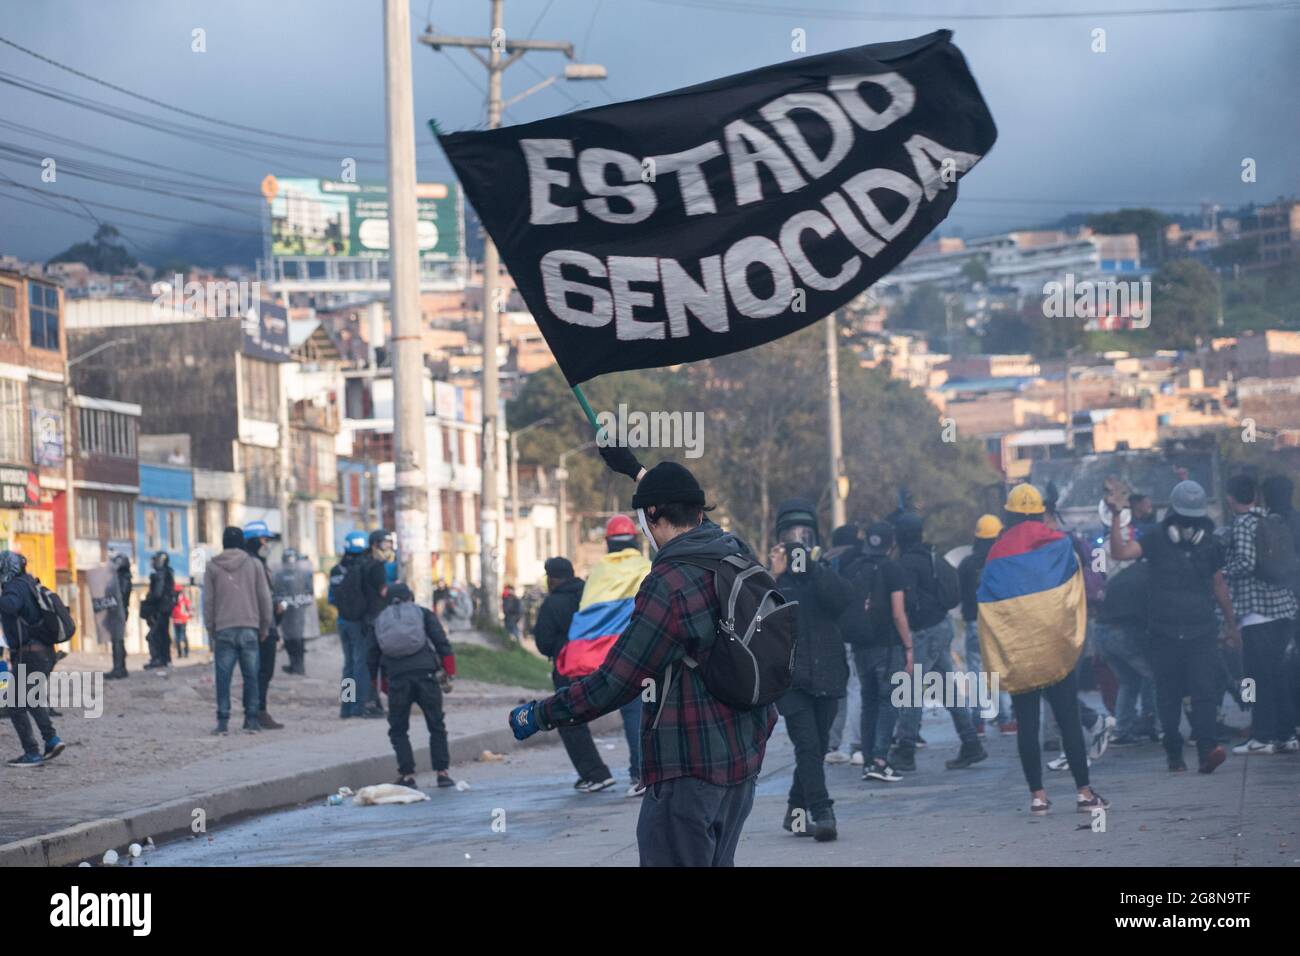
<point>1273,233</point>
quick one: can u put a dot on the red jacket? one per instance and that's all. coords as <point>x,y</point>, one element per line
<point>181,610</point>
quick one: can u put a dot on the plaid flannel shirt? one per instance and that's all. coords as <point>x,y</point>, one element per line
<point>696,734</point>
<point>1250,593</point>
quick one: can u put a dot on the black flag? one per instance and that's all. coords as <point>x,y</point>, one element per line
<point>722,216</point>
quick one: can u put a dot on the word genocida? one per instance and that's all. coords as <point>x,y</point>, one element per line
<point>850,222</point>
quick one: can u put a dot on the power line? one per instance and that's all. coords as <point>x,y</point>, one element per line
<point>276,134</point>
<point>732,6</point>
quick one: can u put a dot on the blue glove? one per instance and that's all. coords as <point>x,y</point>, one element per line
<point>523,720</point>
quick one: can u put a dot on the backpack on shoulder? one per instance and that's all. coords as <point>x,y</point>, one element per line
<point>947,584</point>
<point>399,630</point>
<point>1275,552</point>
<point>751,661</point>
<point>56,625</point>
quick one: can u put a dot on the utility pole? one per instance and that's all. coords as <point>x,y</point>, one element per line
<point>839,481</point>
<point>496,44</point>
<point>409,453</point>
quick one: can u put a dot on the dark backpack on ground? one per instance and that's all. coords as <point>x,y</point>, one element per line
<point>751,661</point>
<point>347,590</point>
<point>55,625</point>
<point>947,585</point>
<point>1275,552</point>
<point>399,630</point>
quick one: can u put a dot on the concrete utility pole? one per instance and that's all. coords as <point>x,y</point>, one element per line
<point>490,509</point>
<point>839,481</point>
<point>409,453</point>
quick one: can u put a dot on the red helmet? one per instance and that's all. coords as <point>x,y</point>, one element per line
<point>620,526</point>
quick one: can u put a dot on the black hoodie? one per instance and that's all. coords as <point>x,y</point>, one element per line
<point>551,630</point>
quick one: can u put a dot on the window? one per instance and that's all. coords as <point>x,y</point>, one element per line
<point>43,309</point>
<point>259,467</point>
<point>106,433</point>
<point>119,518</point>
<point>173,531</point>
<point>46,402</point>
<point>151,541</point>
<point>87,516</point>
<point>8,313</point>
<point>11,420</point>
<point>261,389</point>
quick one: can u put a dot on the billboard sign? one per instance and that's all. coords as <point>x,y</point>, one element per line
<point>324,218</point>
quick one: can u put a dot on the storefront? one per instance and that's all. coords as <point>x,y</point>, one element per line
<point>27,523</point>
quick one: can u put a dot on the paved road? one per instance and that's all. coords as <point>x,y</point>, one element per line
<point>1245,814</point>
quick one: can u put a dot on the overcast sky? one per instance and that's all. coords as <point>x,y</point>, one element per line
<point>1163,117</point>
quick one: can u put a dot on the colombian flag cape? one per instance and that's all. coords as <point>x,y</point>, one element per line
<point>1032,609</point>
<point>604,612</point>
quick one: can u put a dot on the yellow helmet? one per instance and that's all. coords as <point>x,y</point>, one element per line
<point>1025,499</point>
<point>989,526</point>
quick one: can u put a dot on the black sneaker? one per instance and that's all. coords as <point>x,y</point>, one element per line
<point>444,779</point>
<point>251,726</point>
<point>823,827</point>
<point>1176,763</point>
<point>594,786</point>
<point>406,780</point>
<point>904,761</point>
<point>222,728</point>
<point>969,755</point>
<point>27,760</point>
<point>883,772</point>
<point>1088,804</point>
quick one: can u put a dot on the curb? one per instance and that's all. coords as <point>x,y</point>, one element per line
<point>89,840</point>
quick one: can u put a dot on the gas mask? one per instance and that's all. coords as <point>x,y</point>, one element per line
<point>1186,534</point>
<point>799,534</point>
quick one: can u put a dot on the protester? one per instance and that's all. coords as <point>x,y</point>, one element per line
<point>257,542</point>
<point>987,529</point>
<point>348,596</point>
<point>182,611</point>
<point>603,613</point>
<point>126,582</point>
<point>156,611</point>
<point>700,757</point>
<point>512,610</point>
<point>875,625</point>
<point>374,582</point>
<point>237,617</point>
<point>932,637</point>
<point>1266,614</point>
<point>1120,629</point>
<point>846,549</point>
<point>1032,616</point>
<point>1185,582</point>
<point>412,652</point>
<point>113,602</point>
<point>292,589</point>
<point>820,670</point>
<point>551,633</point>
<point>31,652</point>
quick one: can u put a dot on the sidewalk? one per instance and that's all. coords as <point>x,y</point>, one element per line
<point>149,762</point>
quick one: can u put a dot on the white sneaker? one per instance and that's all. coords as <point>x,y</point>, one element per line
<point>1289,747</point>
<point>837,756</point>
<point>1101,738</point>
<point>1253,746</point>
<point>635,789</point>
<point>1062,763</point>
<point>857,760</point>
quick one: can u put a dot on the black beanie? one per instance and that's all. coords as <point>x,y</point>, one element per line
<point>668,483</point>
<point>558,568</point>
<point>845,534</point>
<point>232,537</point>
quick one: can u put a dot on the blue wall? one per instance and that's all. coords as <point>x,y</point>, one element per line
<point>163,491</point>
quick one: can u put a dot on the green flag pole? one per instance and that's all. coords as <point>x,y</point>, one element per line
<point>586,407</point>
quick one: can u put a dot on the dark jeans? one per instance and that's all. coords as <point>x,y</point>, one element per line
<point>691,822</point>
<point>368,694</point>
<point>1063,698</point>
<point>421,688</point>
<point>295,648</point>
<point>876,665</point>
<point>1186,667</point>
<point>808,721</point>
<point>932,651</point>
<point>355,682</point>
<point>265,667</point>
<point>117,636</point>
<point>182,641</point>
<point>34,659</point>
<point>579,745</point>
<point>631,714</point>
<point>159,640</point>
<point>1264,655</point>
<point>228,646</point>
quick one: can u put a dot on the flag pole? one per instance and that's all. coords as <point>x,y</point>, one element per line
<point>586,406</point>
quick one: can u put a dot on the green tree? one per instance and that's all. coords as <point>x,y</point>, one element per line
<point>102,254</point>
<point>1185,305</point>
<point>1147,223</point>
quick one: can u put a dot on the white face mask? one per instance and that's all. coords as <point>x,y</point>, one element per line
<point>645,529</point>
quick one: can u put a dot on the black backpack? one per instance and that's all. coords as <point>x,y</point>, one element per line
<point>347,590</point>
<point>947,584</point>
<point>1275,552</point>
<point>869,614</point>
<point>751,661</point>
<point>55,625</point>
